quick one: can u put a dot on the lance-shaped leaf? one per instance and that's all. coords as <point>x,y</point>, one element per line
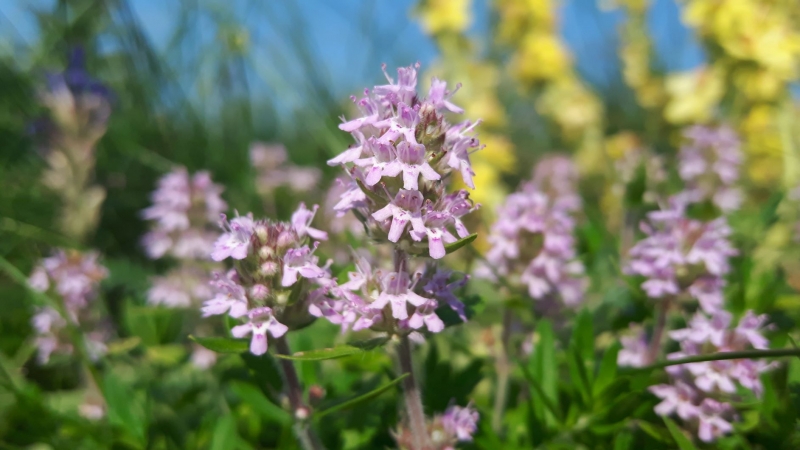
<point>223,344</point>
<point>361,398</point>
<point>450,248</point>
<point>340,351</point>
<point>684,443</point>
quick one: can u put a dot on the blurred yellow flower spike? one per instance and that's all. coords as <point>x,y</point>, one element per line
<point>763,145</point>
<point>622,144</point>
<point>445,16</point>
<point>541,57</point>
<point>693,95</point>
<point>523,16</point>
<point>573,107</point>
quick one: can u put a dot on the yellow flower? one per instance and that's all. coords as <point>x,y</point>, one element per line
<point>693,95</point>
<point>499,152</point>
<point>571,105</point>
<point>541,56</point>
<point>521,16</point>
<point>442,16</point>
<point>763,145</point>
<point>758,84</point>
<point>621,144</point>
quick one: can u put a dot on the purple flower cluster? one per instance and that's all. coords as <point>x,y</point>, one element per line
<point>682,255</point>
<point>388,301</point>
<point>698,393</point>
<point>404,151</point>
<point>709,165</point>
<point>532,241</point>
<point>74,278</point>
<point>272,258</point>
<point>273,170</point>
<point>184,208</point>
<point>457,424</point>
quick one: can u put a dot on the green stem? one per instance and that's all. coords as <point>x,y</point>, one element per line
<point>746,354</point>
<point>503,371</point>
<point>412,397</point>
<point>294,391</point>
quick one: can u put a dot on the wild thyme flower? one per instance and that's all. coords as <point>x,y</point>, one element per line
<point>271,284</point>
<point>403,133</point>
<point>682,255</point>
<point>74,278</point>
<point>183,212</point>
<point>273,170</point>
<point>699,392</point>
<point>532,244</point>
<point>709,165</point>
<point>634,349</point>
<point>456,424</point>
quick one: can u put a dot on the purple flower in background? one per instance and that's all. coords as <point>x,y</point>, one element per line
<point>680,399</point>
<point>75,278</point>
<point>680,253</point>
<point>712,421</point>
<point>709,165</point>
<point>273,170</point>
<point>634,349</point>
<point>261,322</point>
<point>460,422</point>
<point>532,244</point>
<point>184,211</point>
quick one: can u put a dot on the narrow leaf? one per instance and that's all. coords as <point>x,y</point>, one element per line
<point>222,344</point>
<point>255,398</point>
<point>224,433</point>
<point>340,351</point>
<point>450,248</point>
<point>347,404</point>
<point>683,442</point>
<point>608,369</point>
<point>544,368</point>
<point>539,390</point>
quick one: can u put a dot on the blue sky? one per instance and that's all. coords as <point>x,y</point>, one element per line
<point>349,38</point>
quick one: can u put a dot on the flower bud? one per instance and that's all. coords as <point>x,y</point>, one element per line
<point>259,292</point>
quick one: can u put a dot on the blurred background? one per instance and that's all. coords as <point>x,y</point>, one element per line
<point>197,82</point>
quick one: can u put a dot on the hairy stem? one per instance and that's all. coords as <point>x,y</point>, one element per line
<point>300,412</point>
<point>722,356</point>
<point>503,371</point>
<point>413,400</point>
<point>658,331</point>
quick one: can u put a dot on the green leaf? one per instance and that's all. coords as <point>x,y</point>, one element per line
<point>683,442</point>
<point>544,371</point>
<point>222,344</point>
<point>360,399</point>
<point>340,351</point>
<point>124,410</point>
<point>450,248</point>
<point>623,441</point>
<point>224,433</point>
<point>608,369</point>
<point>537,386</point>
<point>255,398</point>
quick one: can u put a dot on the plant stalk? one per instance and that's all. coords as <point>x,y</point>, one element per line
<point>413,399</point>
<point>503,371</point>
<point>294,391</point>
<point>722,356</point>
<point>658,331</point>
